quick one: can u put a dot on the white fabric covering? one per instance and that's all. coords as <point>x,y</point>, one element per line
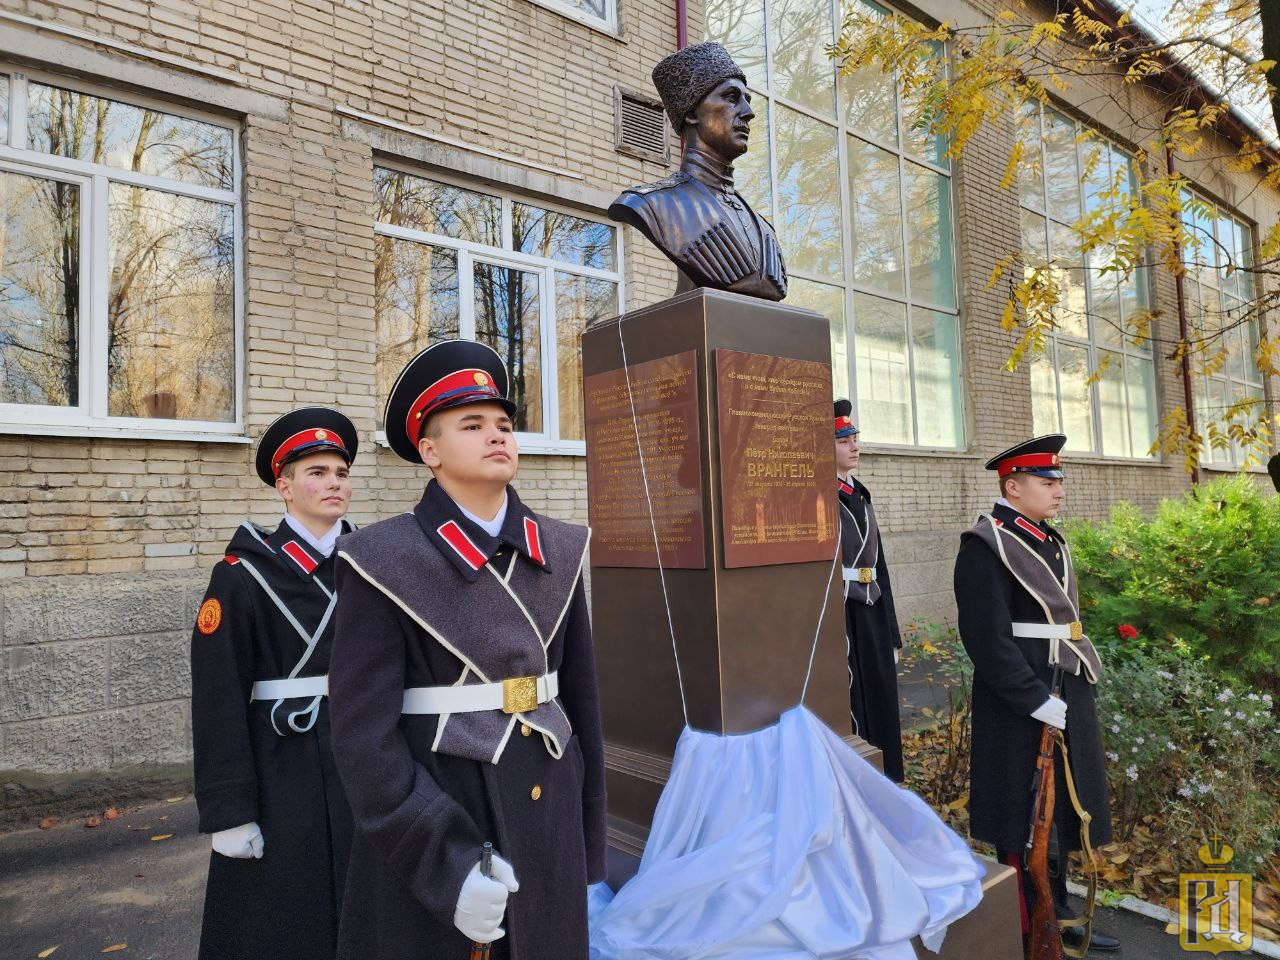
<point>783,844</point>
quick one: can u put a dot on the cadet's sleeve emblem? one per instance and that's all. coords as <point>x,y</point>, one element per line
<point>210,616</point>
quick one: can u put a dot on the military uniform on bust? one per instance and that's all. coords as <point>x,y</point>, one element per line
<point>266,785</point>
<point>1018,612</point>
<point>464,694</point>
<point>871,622</point>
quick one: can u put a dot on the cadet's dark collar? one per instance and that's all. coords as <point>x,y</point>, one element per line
<point>299,556</point>
<point>465,543</point>
<point>1034,533</point>
<point>708,170</point>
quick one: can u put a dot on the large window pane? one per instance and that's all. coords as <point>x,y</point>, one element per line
<point>828,301</point>
<point>39,290</point>
<point>1034,245</point>
<point>1140,375</point>
<point>1071,312</point>
<point>417,203</point>
<point>808,205</point>
<point>936,358</point>
<point>559,236</point>
<point>738,26</point>
<point>98,130</point>
<point>870,97</point>
<point>507,319</point>
<point>580,302</point>
<point>1044,394</point>
<point>1031,170</point>
<point>1104,291</point>
<point>1077,398</point>
<point>4,109</point>
<point>170,307</point>
<point>1062,176</point>
<point>801,30</point>
<point>875,190</point>
<point>884,372</point>
<point>1111,405</point>
<point>917,139</point>
<point>928,197</point>
<point>415,289</point>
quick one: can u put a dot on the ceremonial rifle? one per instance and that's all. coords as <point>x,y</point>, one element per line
<point>1046,935</point>
<point>480,951</point>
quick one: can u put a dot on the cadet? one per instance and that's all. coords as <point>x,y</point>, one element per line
<point>870,622</point>
<point>266,786</point>
<point>1018,617</point>
<point>464,693</point>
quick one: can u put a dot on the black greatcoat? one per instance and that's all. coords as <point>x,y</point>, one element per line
<point>871,631</point>
<point>252,765</point>
<point>1011,678</point>
<point>415,613</point>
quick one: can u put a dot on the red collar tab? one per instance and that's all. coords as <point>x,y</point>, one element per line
<point>231,559</point>
<point>304,438</point>
<point>1031,528</point>
<point>454,536</point>
<point>471,385</point>
<point>300,556</point>
<point>1028,461</point>
<point>844,487</point>
<point>533,542</point>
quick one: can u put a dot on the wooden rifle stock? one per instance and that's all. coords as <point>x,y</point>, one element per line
<point>1046,935</point>
<point>480,951</point>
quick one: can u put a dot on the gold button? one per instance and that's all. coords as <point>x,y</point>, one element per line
<point>535,793</point>
<point>525,729</point>
<point>1057,556</point>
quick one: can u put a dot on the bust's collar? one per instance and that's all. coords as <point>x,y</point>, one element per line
<point>708,170</point>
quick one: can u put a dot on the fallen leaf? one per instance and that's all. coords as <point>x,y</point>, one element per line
<point>116,948</point>
<point>48,951</point>
<point>1120,858</point>
<point>174,799</point>
<point>49,822</point>
<point>1171,927</point>
<point>111,814</point>
<point>90,822</point>
<point>162,836</point>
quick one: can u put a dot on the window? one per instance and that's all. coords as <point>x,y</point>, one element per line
<point>453,261</point>
<point>861,200</point>
<point>119,263</point>
<point>602,14</point>
<point>1091,383</point>
<point>1222,312</point>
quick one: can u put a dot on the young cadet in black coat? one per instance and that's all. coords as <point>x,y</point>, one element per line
<point>266,786</point>
<point>464,694</point>
<point>871,623</point>
<point>1019,615</point>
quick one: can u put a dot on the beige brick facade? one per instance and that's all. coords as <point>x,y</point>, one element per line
<point>105,542</point>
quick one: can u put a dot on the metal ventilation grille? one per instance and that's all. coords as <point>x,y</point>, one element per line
<point>640,126</point>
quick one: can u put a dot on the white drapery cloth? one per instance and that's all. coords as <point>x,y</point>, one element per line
<point>784,844</point>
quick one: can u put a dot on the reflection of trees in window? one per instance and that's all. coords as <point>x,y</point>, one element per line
<point>417,203</point>
<point>39,290</point>
<point>559,236</point>
<point>507,320</point>
<point>415,301</point>
<point>580,302</point>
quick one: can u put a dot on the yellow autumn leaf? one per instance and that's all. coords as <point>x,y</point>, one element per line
<point>48,951</point>
<point>162,836</point>
<point>116,948</point>
<point>1171,927</point>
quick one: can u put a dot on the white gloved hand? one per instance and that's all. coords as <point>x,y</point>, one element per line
<point>897,654</point>
<point>483,900</point>
<point>241,843</point>
<point>1053,712</point>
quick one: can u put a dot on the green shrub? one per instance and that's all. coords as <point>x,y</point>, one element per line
<point>1204,570</point>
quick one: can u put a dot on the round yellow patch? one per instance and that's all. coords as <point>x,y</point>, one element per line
<point>482,380</point>
<point>210,616</point>
<point>321,435</point>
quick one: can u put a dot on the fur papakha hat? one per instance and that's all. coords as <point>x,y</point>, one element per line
<point>688,75</point>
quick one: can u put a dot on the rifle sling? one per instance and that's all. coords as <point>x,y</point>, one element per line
<point>1086,917</point>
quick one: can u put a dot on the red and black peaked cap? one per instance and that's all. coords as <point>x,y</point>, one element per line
<point>1039,456</point>
<point>444,375</point>
<point>845,427</point>
<point>301,433</point>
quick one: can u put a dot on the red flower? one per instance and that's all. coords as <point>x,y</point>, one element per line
<point>1127,632</point>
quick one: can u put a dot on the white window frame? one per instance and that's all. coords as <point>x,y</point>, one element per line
<point>608,23</point>
<point>547,441</point>
<point>1091,343</point>
<point>846,284</point>
<point>89,417</point>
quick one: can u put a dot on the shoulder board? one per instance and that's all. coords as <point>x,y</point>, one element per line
<point>675,180</point>
<point>231,559</point>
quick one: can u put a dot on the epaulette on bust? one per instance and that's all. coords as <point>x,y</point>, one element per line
<point>675,180</point>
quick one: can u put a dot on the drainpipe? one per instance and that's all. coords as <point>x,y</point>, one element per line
<point>1183,333</point>
<point>682,24</point>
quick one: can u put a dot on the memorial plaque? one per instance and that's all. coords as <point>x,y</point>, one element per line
<point>777,460</point>
<point>665,393</point>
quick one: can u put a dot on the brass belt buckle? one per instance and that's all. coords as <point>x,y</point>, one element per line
<point>520,695</point>
<point>865,574</point>
<point>1077,631</point>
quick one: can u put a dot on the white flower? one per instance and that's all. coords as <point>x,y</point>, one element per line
<point>1212,742</point>
<point>1171,748</point>
<point>1225,695</point>
<point>1203,788</point>
<point>1252,696</point>
<point>1133,749</point>
<point>1113,757</point>
<point>1240,715</point>
<point>1184,791</point>
<point>1117,718</point>
<point>1164,674</point>
<point>1266,698</point>
<point>1219,774</point>
<point>1115,728</point>
<point>1141,740</point>
<point>1131,772</point>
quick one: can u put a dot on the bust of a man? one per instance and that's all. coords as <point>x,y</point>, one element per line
<point>695,216</point>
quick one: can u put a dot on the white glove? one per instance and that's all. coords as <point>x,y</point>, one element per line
<point>1053,712</point>
<point>897,654</point>
<point>483,900</point>
<point>241,843</point>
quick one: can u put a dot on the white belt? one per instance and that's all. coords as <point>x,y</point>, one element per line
<point>1049,631</point>
<point>860,574</point>
<point>290,687</point>
<point>517,695</point>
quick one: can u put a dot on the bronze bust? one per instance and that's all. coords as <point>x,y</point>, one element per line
<point>695,216</point>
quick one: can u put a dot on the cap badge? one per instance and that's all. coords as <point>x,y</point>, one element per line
<point>481,379</point>
<point>322,435</point>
